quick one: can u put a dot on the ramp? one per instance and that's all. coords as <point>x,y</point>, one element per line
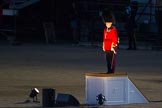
<point>116,88</point>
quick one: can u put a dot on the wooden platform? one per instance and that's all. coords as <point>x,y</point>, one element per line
<point>116,88</point>
<point>105,74</point>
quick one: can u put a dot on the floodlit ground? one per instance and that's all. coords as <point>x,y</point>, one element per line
<point>63,68</point>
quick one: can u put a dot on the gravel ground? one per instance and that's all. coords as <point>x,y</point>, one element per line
<point>63,68</point>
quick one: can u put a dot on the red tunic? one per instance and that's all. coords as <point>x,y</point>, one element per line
<point>110,38</point>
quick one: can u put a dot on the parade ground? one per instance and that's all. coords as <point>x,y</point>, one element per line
<point>63,67</point>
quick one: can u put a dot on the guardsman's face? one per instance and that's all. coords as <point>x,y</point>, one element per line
<point>108,24</point>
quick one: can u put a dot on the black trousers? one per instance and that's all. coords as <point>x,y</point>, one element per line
<point>109,59</point>
<point>132,40</point>
<point>158,16</point>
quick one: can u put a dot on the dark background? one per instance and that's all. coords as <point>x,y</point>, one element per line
<point>28,24</point>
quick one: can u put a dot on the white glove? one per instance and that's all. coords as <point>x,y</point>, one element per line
<point>112,49</point>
